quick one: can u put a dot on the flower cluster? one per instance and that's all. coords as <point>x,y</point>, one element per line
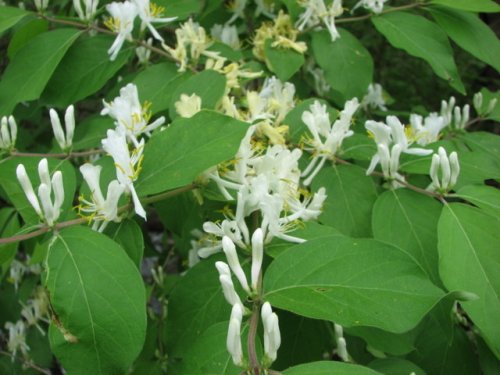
<point>326,138</point>
<point>8,133</point>
<point>122,21</point>
<point>65,140</point>
<point>391,141</point>
<point>374,98</point>
<point>317,12</point>
<point>282,34</point>
<point>88,11</point>
<point>444,171</point>
<point>272,336</point>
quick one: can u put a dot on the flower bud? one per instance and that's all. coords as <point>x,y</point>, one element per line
<point>25,182</point>
<point>478,102</point>
<point>272,335</point>
<point>233,341</point>
<point>234,263</point>
<point>257,256</point>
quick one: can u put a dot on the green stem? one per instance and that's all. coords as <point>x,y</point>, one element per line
<point>27,363</point>
<point>57,155</point>
<point>252,334</point>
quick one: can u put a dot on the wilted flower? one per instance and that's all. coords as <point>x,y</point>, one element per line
<point>17,337</point>
<point>188,105</point>
<point>226,34</point>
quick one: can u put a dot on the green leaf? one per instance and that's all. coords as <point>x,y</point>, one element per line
<point>9,225</point>
<point>421,38</point>
<point>442,347</point>
<point>408,220</point>
<point>84,70</point>
<point>329,368</point>
<point>471,6</point>
<point>350,198</point>
<point>16,194</point>
<point>181,9</point>
<point>208,85</point>
<point>99,301</point>
<point>177,155</point>
<point>32,66</point>
<point>487,96</point>
<point>302,340</point>
<point>90,132</point>
<point>485,197</point>
<point>195,304</point>
<point>468,260</point>
<point>395,366</point>
<point>470,33</point>
<point>209,356</point>
<point>309,231</point>
<point>128,234</point>
<point>387,342</point>
<point>9,16</point>
<point>156,84</point>
<point>284,62</point>
<point>354,282</point>
<point>347,63</point>
<point>25,33</point>
<point>358,147</point>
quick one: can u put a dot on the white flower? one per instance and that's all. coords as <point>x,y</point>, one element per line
<point>226,34</point>
<point>143,53</point>
<point>17,337</point>
<point>237,7</point>
<point>227,285</point>
<point>234,263</point>
<point>326,138</point>
<point>90,10</point>
<point>391,141</point>
<point>41,5</point>
<point>316,11</point>
<point>16,273</point>
<point>272,336</point>
<point>461,117</point>
<point>64,141</point>
<point>449,168</point>
<point>50,208</point>
<point>128,165</point>
<point>447,110</point>
<point>374,98</point>
<point>122,23</point>
<point>130,115</point>
<point>188,105</point>
<point>8,133</point>
<point>376,6</point>
<point>233,342</point>
<point>428,132</point>
<point>102,210</point>
<point>149,13</point>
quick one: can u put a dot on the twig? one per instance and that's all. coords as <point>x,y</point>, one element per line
<point>27,363</point>
<point>57,155</point>
<point>45,228</point>
<point>252,333</point>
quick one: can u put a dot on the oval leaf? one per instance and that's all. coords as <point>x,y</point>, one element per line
<point>354,282</point>
<point>421,38</point>
<point>177,155</point>
<point>330,368</point>
<point>468,252</point>
<point>99,303</point>
<point>32,66</point>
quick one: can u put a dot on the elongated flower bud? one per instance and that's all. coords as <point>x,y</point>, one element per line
<point>58,188</point>
<point>434,171</point>
<point>272,335</point>
<point>228,289</point>
<point>491,106</point>
<point>257,256</point>
<point>234,263</point>
<point>25,182</point>
<point>43,173</point>
<point>394,164</point>
<point>69,122</point>
<point>445,168</point>
<point>223,268</point>
<point>478,102</point>
<point>233,341</point>
<point>57,128</point>
<point>8,133</point>
<point>455,169</point>
<point>341,343</point>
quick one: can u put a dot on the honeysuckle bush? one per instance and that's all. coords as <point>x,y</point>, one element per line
<point>207,187</point>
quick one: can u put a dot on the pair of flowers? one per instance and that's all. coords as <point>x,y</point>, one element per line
<point>122,21</point>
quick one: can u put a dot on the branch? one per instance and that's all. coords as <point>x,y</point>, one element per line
<point>27,363</point>
<point>252,352</point>
<point>57,155</point>
<point>45,228</point>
